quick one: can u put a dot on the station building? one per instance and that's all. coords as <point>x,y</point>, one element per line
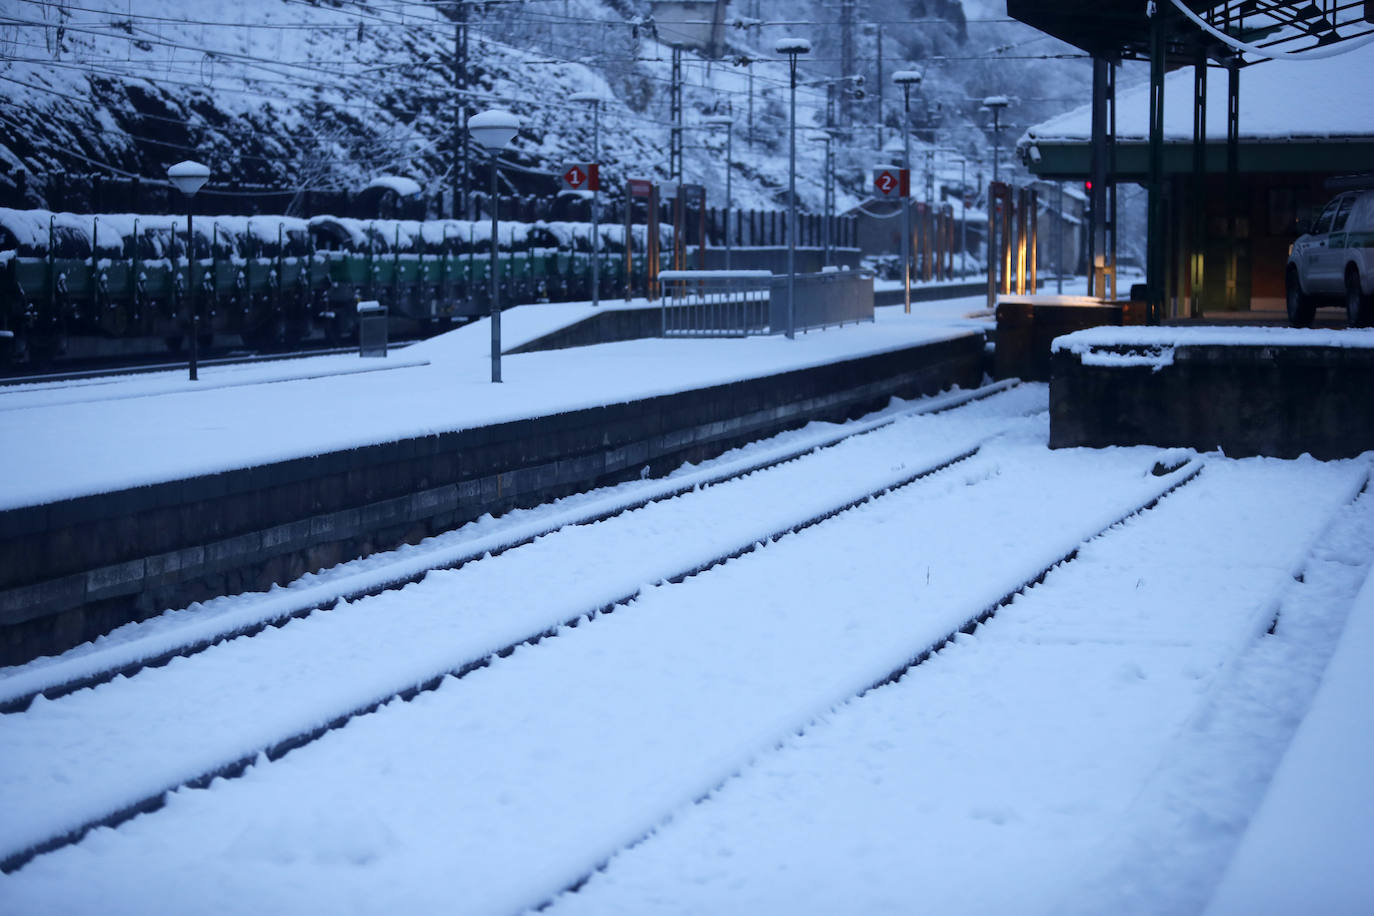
<point>1246,152</point>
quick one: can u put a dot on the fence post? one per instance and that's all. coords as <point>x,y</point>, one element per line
<point>629,245</point>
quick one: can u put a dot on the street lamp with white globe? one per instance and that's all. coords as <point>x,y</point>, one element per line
<point>792,48</point>
<point>827,136</point>
<point>996,104</point>
<point>493,130</point>
<point>726,123</point>
<point>190,177</point>
<point>908,80</point>
<point>591,98</point>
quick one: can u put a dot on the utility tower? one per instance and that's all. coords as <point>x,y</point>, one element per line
<point>675,115</point>
<point>460,114</point>
<point>846,58</point>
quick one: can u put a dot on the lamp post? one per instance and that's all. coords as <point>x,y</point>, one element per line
<point>825,136</point>
<point>963,199</point>
<point>793,48</point>
<point>493,130</point>
<point>594,100</point>
<point>728,123</point>
<point>906,79</point>
<point>190,177</point>
<point>995,104</point>
<point>963,222</point>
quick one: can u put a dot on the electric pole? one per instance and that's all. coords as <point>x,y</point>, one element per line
<point>879,119</point>
<point>460,116</point>
<point>847,57</point>
<point>675,115</point>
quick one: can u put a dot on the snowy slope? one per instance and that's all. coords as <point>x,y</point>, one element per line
<point>303,94</point>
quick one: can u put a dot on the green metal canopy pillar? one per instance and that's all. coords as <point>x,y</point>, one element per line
<point>1198,198</point>
<point>1232,182</point>
<point>1154,254</point>
<point>1102,182</point>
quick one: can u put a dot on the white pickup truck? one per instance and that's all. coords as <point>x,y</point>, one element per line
<point>1333,262</point>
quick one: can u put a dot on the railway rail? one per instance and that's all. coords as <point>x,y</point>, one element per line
<point>705,498</point>
<point>98,369</point>
<point>21,691</point>
<point>59,680</point>
<point>196,717</point>
<point>968,463</point>
<point>124,659</point>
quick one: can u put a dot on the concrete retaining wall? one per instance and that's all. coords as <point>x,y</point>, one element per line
<point>604,327</point>
<point>1279,401</point>
<point>1027,325</point>
<point>72,570</point>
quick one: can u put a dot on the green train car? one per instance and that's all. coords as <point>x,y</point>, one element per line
<point>82,286</point>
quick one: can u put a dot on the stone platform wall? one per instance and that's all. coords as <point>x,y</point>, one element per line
<point>1280,401</point>
<point>1027,325</point>
<point>72,570</point>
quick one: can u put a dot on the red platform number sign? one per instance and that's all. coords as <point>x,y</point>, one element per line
<point>890,182</point>
<point>582,176</point>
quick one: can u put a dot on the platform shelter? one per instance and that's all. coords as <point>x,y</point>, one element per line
<point>1252,115</point>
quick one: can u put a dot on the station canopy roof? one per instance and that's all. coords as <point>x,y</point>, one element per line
<point>1120,29</point>
<point>1303,109</point>
<point>1294,116</point>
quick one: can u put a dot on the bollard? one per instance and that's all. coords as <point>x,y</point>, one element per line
<point>372,330</point>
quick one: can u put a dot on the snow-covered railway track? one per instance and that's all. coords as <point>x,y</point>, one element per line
<point>127,658</point>
<point>690,649</point>
<point>1098,738</point>
<point>335,691</point>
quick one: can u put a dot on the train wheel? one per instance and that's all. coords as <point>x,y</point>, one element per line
<point>44,349</point>
<point>264,337</point>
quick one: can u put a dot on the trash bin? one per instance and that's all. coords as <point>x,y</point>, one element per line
<point>371,328</point>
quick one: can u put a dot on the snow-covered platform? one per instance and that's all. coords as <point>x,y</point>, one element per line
<point>1280,392</point>
<point>122,497</point>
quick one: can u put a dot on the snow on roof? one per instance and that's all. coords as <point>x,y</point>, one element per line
<point>406,187</point>
<point>1279,100</point>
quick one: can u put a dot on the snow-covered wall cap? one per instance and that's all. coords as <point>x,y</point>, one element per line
<point>714,274</point>
<point>406,187</point>
<point>189,176</point>
<point>495,128</point>
<point>1089,340</point>
<point>902,77</point>
<point>792,46</point>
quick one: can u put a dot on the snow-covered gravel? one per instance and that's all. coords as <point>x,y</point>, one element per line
<point>987,779</point>
<point>171,724</point>
<point>205,622</point>
<point>510,783</point>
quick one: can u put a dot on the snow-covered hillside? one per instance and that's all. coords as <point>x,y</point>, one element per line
<point>330,94</point>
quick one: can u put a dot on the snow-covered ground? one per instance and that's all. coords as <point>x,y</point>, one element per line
<point>1105,743</point>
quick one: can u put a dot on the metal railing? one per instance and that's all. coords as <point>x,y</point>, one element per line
<point>715,303</point>
<point>832,297</point>
<point>738,303</point>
